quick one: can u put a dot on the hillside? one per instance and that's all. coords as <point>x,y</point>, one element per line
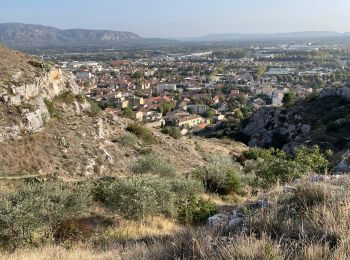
<point>78,182</point>
<point>14,66</point>
<point>37,140</point>
<point>322,120</point>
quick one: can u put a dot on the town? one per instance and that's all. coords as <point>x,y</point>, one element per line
<point>203,92</point>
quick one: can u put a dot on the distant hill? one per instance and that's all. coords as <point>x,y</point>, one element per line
<point>240,37</point>
<point>18,35</point>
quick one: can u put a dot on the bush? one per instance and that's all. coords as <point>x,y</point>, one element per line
<point>273,165</point>
<point>276,170</point>
<point>128,139</point>
<point>140,197</point>
<point>39,64</point>
<point>72,230</point>
<point>80,98</point>
<point>53,110</point>
<point>219,175</point>
<point>332,127</point>
<point>310,195</point>
<point>174,132</point>
<point>66,97</point>
<point>141,132</point>
<point>129,198</point>
<point>153,164</point>
<point>95,109</point>
<point>128,113</point>
<point>195,211</point>
<point>265,154</point>
<point>29,215</point>
<point>312,158</point>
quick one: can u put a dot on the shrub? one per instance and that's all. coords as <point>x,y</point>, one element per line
<point>73,230</point>
<point>310,195</point>
<point>95,109</point>
<point>271,171</point>
<point>129,198</point>
<point>312,158</point>
<point>29,215</point>
<point>128,113</point>
<point>332,127</point>
<point>266,154</point>
<point>273,165</point>
<point>141,132</point>
<point>80,98</point>
<point>52,108</point>
<point>128,139</point>
<point>66,97</point>
<point>196,211</point>
<point>39,64</point>
<point>174,132</point>
<point>153,164</point>
<point>219,175</point>
<point>140,197</point>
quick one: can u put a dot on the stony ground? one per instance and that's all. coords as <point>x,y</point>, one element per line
<point>79,145</point>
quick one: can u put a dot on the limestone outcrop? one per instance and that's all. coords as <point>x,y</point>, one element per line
<point>30,98</point>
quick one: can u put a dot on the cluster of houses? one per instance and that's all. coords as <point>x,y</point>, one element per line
<point>198,92</point>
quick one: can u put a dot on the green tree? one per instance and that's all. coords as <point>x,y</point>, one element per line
<point>137,75</point>
<point>220,175</point>
<point>166,107</point>
<point>312,158</point>
<point>128,113</point>
<point>289,98</point>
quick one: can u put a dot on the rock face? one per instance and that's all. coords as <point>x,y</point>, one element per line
<point>344,165</point>
<point>30,99</point>
<point>303,123</point>
<point>275,127</point>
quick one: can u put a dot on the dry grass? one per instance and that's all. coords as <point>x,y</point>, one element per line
<point>134,230</point>
<point>14,66</point>
<point>60,253</point>
<point>28,155</point>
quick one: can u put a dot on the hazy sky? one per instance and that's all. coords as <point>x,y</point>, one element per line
<point>167,18</point>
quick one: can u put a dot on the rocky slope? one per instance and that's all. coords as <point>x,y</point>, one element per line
<point>46,128</point>
<point>323,120</point>
<point>25,86</point>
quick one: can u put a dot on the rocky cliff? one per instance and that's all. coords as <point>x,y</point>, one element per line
<point>323,119</point>
<point>28,102</point>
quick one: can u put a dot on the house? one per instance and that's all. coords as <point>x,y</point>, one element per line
<point>197,109</point>
<point>166,87</point>
<point>136,101</point>
<point>184,120</point>
<point>83,75</point>
<point>277,98</point>
<point>190,121</point>
<point>157,100</point>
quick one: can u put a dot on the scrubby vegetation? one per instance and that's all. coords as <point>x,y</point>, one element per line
<point>275,166</point>
<point>302,220</point>
<point>141,132</point>
<point>173,131</point>
<point>39,64</point>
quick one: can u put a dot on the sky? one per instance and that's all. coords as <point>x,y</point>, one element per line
<point>183,18</point>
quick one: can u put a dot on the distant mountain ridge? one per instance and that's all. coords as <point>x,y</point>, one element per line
<point>32,38</point>
<point>262,36</point>
<point>17,35</point>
